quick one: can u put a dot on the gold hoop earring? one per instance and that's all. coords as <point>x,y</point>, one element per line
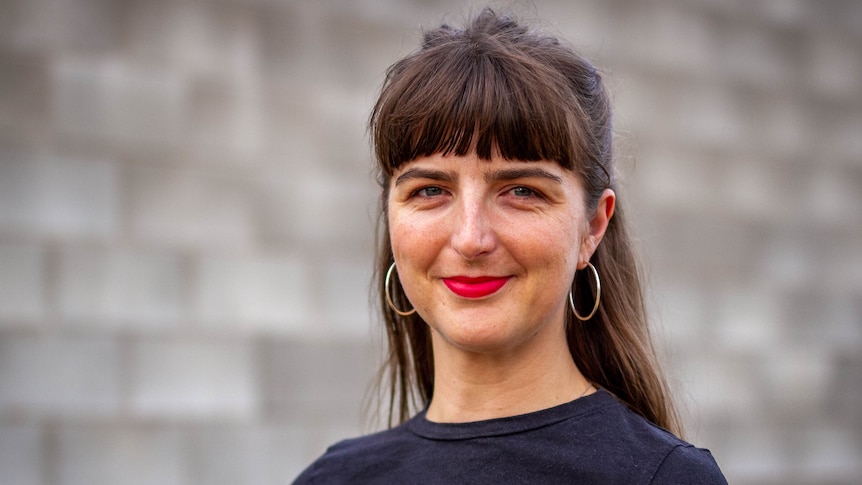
<point>598,296</point>
<point>389,298</point>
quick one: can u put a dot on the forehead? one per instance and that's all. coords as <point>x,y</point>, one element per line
<point>474,163</point>
<point>452,168</point>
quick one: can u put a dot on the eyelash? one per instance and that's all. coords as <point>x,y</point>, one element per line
<point>423,191</point>
<point>530,192</point>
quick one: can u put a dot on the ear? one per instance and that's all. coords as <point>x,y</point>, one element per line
<point>597,226</point>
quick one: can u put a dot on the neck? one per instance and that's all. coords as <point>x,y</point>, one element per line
<point>471,386</point>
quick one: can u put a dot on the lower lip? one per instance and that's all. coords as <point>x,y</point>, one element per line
<point>475,288</point>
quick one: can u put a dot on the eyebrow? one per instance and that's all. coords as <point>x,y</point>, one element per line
<point>495,176</point>
<point>420,173</point>
<point>520,173</point>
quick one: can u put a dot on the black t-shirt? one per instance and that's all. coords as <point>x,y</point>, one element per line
<point>591,440</point>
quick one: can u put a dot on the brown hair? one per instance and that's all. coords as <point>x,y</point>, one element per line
<point>498,85</point>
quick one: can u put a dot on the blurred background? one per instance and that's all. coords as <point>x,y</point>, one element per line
<point>187,219</point>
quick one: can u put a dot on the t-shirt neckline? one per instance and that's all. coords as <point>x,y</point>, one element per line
<point>420,426</point>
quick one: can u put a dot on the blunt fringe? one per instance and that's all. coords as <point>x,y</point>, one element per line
<point>499,87</point>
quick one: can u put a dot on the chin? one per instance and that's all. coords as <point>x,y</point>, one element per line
<point>478,337</point>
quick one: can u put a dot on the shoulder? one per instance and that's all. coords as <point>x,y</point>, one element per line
<point>349,461</point>
<point>613,422</point>
<point>656,454</point>
<point>679,462</point>
<point>595,439</point>
<point>687,464</point>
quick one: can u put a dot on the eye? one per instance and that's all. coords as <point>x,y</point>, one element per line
<point>431,191</point>
<point>523,192</point>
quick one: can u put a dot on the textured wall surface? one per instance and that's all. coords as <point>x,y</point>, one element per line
<point>187,214</point>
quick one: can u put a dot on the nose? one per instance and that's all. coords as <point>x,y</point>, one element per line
<point>473,235</point>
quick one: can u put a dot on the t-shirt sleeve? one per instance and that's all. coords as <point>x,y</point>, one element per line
<point>688,465</point>
<point>307,476</point>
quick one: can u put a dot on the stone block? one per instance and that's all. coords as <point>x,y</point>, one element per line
<point>267,293</point>
<point>343,116</point>
<point>305,439</point>
<point>285,39</point>
<point>585,25</point>
<point>833,68</point>
<point>849,17</point>
<point>233,454</point>
<point>787,128</point>
<point>59,196</point>
<point>793,259</point>
<point>23,91</point>
<point>667,178</point>
<point>316,128</point>
<point>324,380</point>
<point>846,394</point>
<point>637,96</point>
<point>843,266</point>
<point>824,320</point>
<point>689,246</point>
<point>347,295</point>
<point>752,190</point>
<point>121,287</point>
<point>833,196</point>
<point>665,36</point>
<point>680,315</point>
<point>747,319</point>
<point>788,14</point>
<point>706,378</point>
<point>193,379</point>
<point>22,283</point>
<point>260,454</point>
<point>320,211</point>
<point>838,137</point>
<point>210,39</point>
<point>756,56</point>
<point>709,116</point>
<point>52,375</point>
<point>291,131</point>
<point>828,452</point>
<point>113,100</point>
<point>359,47</point>
<point>21,457</point>
<point>188,208</point>
<point>788,260</point>
<point>111,454</point>
<point>325,83</point>
<point>49,25</point>
<point>755,455</point>
<point>225,119</point>
<point>782,372</point>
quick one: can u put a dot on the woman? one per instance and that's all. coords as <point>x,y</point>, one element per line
<point>512,301</point>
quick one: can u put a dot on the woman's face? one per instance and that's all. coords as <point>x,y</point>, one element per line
<point>487,250</point>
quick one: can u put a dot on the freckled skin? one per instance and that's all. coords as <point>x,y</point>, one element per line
<point>452,216</point>
<point>460,218</point>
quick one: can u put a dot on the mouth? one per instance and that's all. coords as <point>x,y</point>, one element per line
<point>482,286</point>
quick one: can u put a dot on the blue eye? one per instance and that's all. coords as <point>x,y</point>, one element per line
<point>429,191</point>
<point>523,192</point>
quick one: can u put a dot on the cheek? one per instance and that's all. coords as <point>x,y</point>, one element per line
<point>399,235</point>
<point>395,227</point>
<point>412,242</point>
<point>553,242</point>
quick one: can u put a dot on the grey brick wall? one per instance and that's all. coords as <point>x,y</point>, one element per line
<point>187,216</point>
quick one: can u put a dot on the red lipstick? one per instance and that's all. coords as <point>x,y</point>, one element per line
<point>475,287</point>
